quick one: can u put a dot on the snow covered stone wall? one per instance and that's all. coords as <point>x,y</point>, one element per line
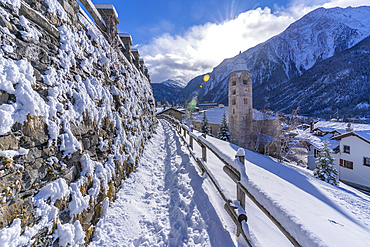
<point>74,118</point>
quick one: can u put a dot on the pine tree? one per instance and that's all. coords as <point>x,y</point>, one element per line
<point>325,169</point>
<point>204,128</point>
<point>224,133</point>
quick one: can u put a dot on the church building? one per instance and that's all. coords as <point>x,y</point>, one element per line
<point>240,104</point>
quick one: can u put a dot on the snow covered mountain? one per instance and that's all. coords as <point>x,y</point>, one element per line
<point>306,43</point>
<point>173,83</point>
<point>168,90</point>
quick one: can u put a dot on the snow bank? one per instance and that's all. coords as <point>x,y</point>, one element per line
<point>313,212</point>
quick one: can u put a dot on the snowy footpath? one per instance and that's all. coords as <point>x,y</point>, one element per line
<point>164,203</point>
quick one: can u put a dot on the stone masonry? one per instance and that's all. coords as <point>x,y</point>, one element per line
<point>108,129</point>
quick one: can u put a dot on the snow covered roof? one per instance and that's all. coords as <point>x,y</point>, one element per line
<point>258,116</point>
<point>214,115</point>
<point>363,135</point>
<point>208,103</point>
<point>340,126</point>
<point>171,108</point>
<point>318,141</point>
<point>329,128</point>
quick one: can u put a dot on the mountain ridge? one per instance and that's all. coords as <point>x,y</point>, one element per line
<point>315,37</point>
<point>168,90</point>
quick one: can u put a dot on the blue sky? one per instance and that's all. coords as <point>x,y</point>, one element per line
<point>145,19</point>
<point>180,40</point>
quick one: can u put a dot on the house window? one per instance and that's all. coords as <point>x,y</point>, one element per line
<point>234,101</point>
<point>210,129</point>
<point>346,149</point>
<point>346,164</point>
<point>245,82</point>
<point>245,101</point>
<point>315,152</point>
<point>234,91</point>
<point>366,161</point>
<point>233,83</point>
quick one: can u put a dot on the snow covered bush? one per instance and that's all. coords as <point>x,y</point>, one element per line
<point>325,169</point>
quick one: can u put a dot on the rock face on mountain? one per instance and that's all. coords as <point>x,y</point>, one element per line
<point>167,90</point>
<point>74,118</point>
<point>283,59</point>
<point>340,82</point>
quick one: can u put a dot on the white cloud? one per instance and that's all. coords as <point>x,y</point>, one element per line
<point>201,48</point>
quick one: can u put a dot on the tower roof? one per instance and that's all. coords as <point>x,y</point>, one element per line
<point>239,65</point>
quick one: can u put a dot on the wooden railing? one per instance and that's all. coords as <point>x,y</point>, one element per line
<point>232,172</point>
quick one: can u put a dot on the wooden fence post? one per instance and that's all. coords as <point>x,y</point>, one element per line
<point>204,152</point>
<point>191,138</point>
<point>204,149</point>
<point>240,195</point>
<point>240,154</point>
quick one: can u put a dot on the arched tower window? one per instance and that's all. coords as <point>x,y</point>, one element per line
<point>245,82</point>
<point>233,101</point>
<point>233,110</point>
<point>234,91</point>
<point>245,101</point>
<point>233,83</point>
<point>245,111</point>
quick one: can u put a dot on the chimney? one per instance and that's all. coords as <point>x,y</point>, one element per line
<point>312,126</point>
<point>349,129</point>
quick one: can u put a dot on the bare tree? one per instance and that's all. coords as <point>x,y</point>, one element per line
<point>287,144</point>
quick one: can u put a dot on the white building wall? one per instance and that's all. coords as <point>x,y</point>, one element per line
<point>358,150</point>
<point>311,160</point>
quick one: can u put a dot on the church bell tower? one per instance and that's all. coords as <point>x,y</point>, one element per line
<point>240,103</point>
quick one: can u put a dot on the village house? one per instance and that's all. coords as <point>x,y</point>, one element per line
<point>207,105</point>
<point>315,142</point>
<point>352,158</point>
<point>350,146</point>
<point>173,113</point>
<point>214,117</point>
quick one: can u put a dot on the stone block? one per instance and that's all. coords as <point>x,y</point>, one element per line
<point>33,16</point>
<point>5,23</point>
<point>37,131</point>
<point>33,154</point>
<point>86,143</point>
<point>9,142</point>
<point>94,141</point>
<point>4,96</point>
<point>26,142</point>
